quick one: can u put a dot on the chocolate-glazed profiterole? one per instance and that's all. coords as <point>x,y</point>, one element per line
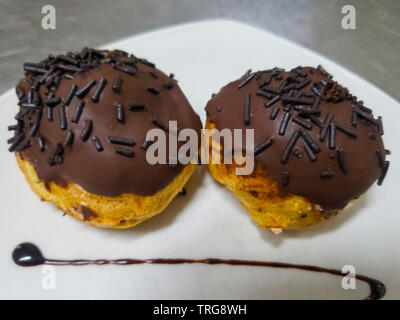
<point>81,130</point>
<point>316,146</point>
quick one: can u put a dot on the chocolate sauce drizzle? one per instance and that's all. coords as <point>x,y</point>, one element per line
<point>28,255</point>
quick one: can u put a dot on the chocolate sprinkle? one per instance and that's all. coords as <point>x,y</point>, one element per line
<point>41,144</point>
<point>68,67</point>
<point>70,95</point>
<point>302,123</point>
<point>342,160</point>
<point>246,80</point>
<point>268,80</point>
<point>124,152</point>
<point>136,107</point>
<point>63,118</point>
<point>34,69</point>
<point>380,125</point>
<point>154,74</point>
<point>16,142</point>
<point>364,108</point>
<point>23,146</point>
<point>316,103</point>
<point>332,136</point>
<point>272,101</point>
<point>246,113</point>
<point>120,113</point>
<point>315,120</point>
<point>160,124</point>
<point>319,94</point>
<point>97,144</point>
<point>303,84</point>
<point>68,59</point>
<point>327,174</point>
<point>99,90</point>
<point>383,174</point>
<point>311,155</point>
<point>262,146</point>
<point>121,141</point>
<point>169,85</point>
<point>307,112</point>
<point>52,102</point>
<point>153,91</point>
<point>322,70</point>
<point>82,92</point>
<point>78,112</point>
<point>125,68</point>
<point>365,115</point>
<point>274,113</point>
<point>86,131</point>
<point>68,76</point>
<point>271,90</point>
<point>325,128</point>
<point>288,149</point>
<point>284,123</point>
<point>146,144</point>
<point>12,139</point>
<point>12,128</point>
<point>347,131</point>
<point>353,118</point>
<point>29,105</point>
<point>307,138</point>
<point>35,128</point>
<point>117,83</point>
<point>265,95</point>
<point>287,99</point>
<point>57,80</point>
<point>69,138</point>
<point>285,178</point>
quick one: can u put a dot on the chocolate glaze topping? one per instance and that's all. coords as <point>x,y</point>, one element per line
<point>304,109</point>
<point>87,213</point>
<point>70,106</point>
<point>28,255</point>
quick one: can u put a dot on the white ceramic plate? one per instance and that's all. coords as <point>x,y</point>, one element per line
<point>209,221</point>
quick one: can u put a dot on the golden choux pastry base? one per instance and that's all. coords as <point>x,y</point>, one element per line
<point>259,194</point>
<point>124,211</point>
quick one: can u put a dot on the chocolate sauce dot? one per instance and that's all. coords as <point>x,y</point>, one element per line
<point>27,255</point>
<point>378,289</point>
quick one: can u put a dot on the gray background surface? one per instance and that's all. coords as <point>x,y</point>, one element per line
<point>372,50</point>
